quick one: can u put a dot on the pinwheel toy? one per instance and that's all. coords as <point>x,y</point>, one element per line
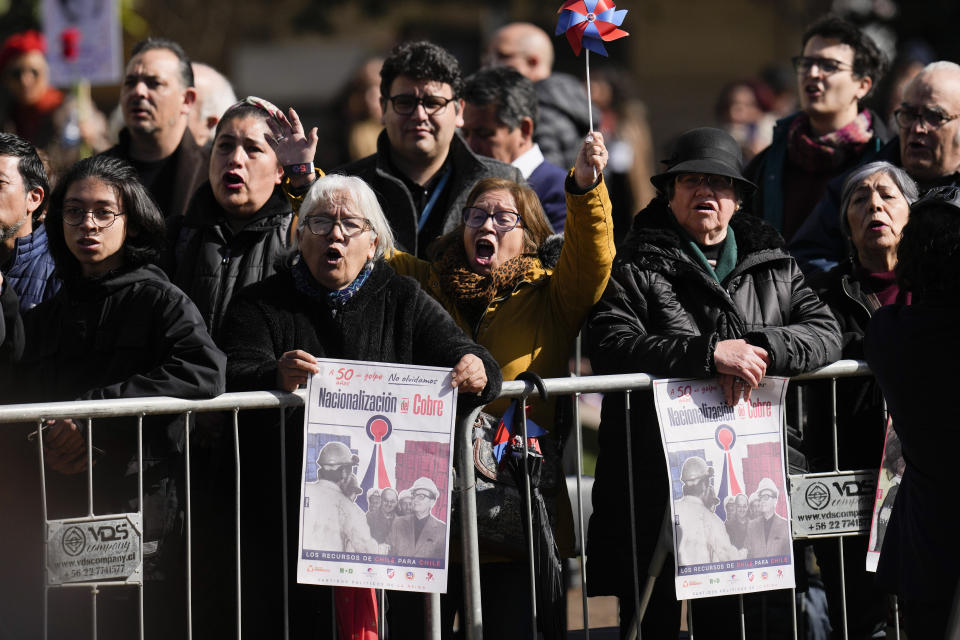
<point>587,24</point>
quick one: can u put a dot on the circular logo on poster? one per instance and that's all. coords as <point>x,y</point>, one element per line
<point>73,541</point>
<point>817,496</point>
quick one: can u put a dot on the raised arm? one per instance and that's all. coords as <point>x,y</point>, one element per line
<point>588,248</point>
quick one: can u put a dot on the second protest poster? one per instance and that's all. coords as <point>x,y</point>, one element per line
<point>728,506</point>
<point>375,494</point>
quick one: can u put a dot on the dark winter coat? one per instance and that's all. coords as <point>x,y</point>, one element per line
<point>398,204</point>
<point>663,314</point>
<point>210,262</point>
<point>29,269</point>
<point>563,118</point>
<point>129,334</point>
<point>389,319</point>
<point>913,352</point>
<point>184,172</point>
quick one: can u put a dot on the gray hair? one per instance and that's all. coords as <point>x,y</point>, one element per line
<point>214,92</point>
<point>936,65</point>
<point>900,178</point>
<point>324,192</point>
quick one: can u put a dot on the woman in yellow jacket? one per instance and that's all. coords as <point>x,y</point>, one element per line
<point>493,276</point>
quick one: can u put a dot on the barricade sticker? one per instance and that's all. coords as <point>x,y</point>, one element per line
<point>95,549</point>
<point>834,504</point>
<point>888,483</point>
<point>728,506</point>
<point>377,476</point>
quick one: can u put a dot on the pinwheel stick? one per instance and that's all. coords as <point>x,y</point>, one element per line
<point>589,94</point>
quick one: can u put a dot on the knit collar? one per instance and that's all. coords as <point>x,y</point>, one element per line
<point>830,151</point>
<point>728,252</point>
<point>335,299</point>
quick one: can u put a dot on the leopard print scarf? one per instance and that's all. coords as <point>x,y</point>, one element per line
<point>472,292</point>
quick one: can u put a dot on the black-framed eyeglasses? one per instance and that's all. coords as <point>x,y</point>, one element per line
<point>349,227</point>
<point>406,103</point>
<point>828,66</point>
<point>503,220</point>
<point>931,118</point>
<point>103,218</point>
<point>715,182</point>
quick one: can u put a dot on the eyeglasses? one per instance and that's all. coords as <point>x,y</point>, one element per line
<point>503,220</point>
<point>827,66</point>
<point>715,182</point>
<point>932,118</point>
<point>349,227</point>
<point>406,103</point>
<point>422,496</point>
<point>103,218</point>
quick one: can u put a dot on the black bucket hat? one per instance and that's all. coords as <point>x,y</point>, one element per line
<point>704,150</point>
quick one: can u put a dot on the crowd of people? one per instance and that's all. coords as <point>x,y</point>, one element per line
<point>205,252</point>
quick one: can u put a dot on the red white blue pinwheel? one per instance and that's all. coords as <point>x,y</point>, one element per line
<point>587,23</point>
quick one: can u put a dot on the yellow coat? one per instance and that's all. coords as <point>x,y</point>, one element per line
<point>533,327</point>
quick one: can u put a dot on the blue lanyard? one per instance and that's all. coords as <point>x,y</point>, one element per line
<point>433,200</point>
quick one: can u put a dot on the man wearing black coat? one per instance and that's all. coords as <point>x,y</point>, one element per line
<point>422,171</point>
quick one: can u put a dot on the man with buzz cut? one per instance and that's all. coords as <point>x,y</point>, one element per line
<point>838,66</point>
<point>423,171</point>
<point>499,121</point>
<point>157,96</point>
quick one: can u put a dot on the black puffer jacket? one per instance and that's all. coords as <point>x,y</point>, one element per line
<point>663,314</point>
<point>210,261</point>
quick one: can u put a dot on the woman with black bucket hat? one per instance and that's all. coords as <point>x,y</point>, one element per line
<point>698,289</point>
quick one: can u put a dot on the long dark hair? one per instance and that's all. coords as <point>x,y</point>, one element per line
<point>145,226</point>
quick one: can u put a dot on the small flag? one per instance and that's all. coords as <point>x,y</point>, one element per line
<point>505,432</point>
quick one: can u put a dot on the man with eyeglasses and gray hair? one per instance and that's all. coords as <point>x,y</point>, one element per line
<point>422,171</point>
<point>928,148</point>
<point>838,67</point>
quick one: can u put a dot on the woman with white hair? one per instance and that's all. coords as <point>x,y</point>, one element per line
<point>335,298</point>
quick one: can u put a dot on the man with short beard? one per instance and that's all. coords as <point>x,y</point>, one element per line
<point>25,262</point>
<point>156,98</point>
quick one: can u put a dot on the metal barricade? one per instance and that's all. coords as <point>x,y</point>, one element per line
<point>472,624</point>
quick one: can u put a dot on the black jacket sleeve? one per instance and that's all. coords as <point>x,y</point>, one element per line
<point>619,339</point>
<point>438,339</point>
<point>192,367</point>
<point>250,340</point>
<point>810,337</point>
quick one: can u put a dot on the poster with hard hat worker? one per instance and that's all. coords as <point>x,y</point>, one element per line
<point>377,476</point>
<point>729,512</point>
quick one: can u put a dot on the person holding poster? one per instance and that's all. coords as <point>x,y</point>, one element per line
<point>913,352</point>
<point>699,289</point>
<point>335,297</point>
